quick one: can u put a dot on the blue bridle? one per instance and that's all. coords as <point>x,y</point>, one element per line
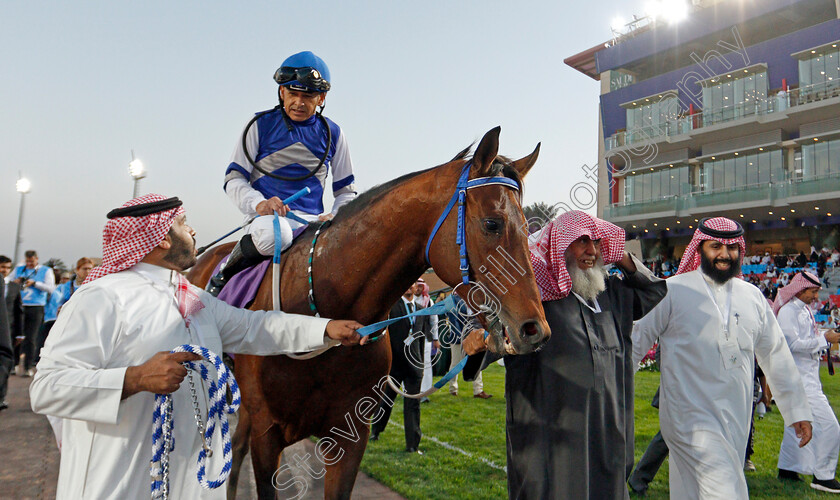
<point>460,196</point>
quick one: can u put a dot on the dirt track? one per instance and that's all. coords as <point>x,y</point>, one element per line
<point>29,457</point>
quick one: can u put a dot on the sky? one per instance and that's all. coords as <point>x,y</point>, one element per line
<point>85,83</point>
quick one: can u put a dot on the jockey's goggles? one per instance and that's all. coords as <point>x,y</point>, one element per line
<point>306,79</point>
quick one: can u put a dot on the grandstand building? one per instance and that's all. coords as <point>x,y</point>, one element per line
<point>734,111</point>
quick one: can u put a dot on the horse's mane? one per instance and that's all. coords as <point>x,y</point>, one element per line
<point>501,166</point>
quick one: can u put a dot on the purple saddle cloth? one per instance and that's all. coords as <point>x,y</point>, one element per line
<point>242,288</point>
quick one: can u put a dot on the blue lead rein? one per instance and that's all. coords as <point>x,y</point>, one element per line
<point>444,307</point>
<point>219,409</point>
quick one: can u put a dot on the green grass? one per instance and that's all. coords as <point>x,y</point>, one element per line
<point>478,427</point>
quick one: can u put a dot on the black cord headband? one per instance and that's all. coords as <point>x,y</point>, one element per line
<point>145,209</point>
<point>718,233</point>
<point>810,280</point>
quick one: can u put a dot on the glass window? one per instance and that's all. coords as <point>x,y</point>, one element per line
<point>740,170</point>
<point>628,189</point>
<point>832,69</point>
<point>655,185</point>
<point>761,92</point>
<point>817,69</point>
<point>761,84</point>
<point>747,107</point>
<point>728,103</point>
<point>728,172</point>
<point>734,98</point>
<point>804,72</point>
<point>674,175</point>
<point>797,165</point>
<point>685,182</point>
<point>820,71</point>
<point>644,184</point>
<point>716,181</point>
<point>777,165</point>
<point>834,157</point>
<point>821,158</point>
<point>752,169</point>
<point>749,88</point>
<point>763,167</point>
<point>808,167</point>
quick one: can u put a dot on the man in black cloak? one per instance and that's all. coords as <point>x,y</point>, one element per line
<point>570,405</point>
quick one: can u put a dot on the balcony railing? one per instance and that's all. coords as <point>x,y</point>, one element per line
<point>769,192</point>
<point>754,107</point>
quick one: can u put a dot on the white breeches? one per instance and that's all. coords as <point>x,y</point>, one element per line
<point>262,233</point>
<point>704,465</point>
<point>819,457</point>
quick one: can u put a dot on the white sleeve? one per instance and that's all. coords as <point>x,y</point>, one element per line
<point>776,362</point>
<point>237,176</point>
<point>344,189</point>
<point>797,339</point>
<point>245,197</point>
<point>48,285</point>
<point>651,327</point>
<point>73,379</point>
<point>265,333</point>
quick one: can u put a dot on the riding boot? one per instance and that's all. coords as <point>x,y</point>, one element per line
<point>243,256</point>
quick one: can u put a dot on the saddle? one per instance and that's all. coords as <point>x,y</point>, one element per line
<point>242,288</point>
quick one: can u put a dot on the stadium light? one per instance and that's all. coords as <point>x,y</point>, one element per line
<point>137,171</point>
<point>23,186</point>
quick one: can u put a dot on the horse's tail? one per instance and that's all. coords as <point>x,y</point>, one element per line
<point>241,444</point>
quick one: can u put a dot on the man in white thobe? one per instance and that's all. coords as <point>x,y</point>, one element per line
<point>711,325</point>
<point>819,457</point>
<point>108,355</point>
<point>422,299</point>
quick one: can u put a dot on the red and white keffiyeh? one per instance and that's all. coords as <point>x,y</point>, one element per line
<point>548,252</point>
<point>720,229</point>
<point>126,240</point>
<point>425,297</point>
<point>802,281</point>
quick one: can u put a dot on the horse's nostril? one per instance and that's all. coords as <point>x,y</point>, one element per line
<point>530,329</point>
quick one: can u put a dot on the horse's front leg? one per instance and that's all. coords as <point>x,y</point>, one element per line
<point>267,444</point>
<point>342,472</point>
<point>240,450</point>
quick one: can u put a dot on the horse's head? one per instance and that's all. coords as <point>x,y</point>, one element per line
<point>500,278</point>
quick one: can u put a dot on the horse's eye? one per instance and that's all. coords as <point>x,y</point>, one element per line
<point>492,225</point>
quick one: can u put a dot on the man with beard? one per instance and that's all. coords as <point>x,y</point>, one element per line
<point>570,405</point>
<point>711,326</point>
<point>796,318</point>
<point>108,355</point>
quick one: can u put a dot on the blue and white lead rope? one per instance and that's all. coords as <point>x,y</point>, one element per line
<point>441,307</point>
<point>162,418</point>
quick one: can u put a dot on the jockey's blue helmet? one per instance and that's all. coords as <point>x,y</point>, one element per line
<point>304,71</point>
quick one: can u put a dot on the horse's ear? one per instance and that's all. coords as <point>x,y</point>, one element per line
<point>523,165</point>
<point>486,152</point>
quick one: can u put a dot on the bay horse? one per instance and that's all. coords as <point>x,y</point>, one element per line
<point>363,262</point>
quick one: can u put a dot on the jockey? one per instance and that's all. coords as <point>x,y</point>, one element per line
<point>296,143</point>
